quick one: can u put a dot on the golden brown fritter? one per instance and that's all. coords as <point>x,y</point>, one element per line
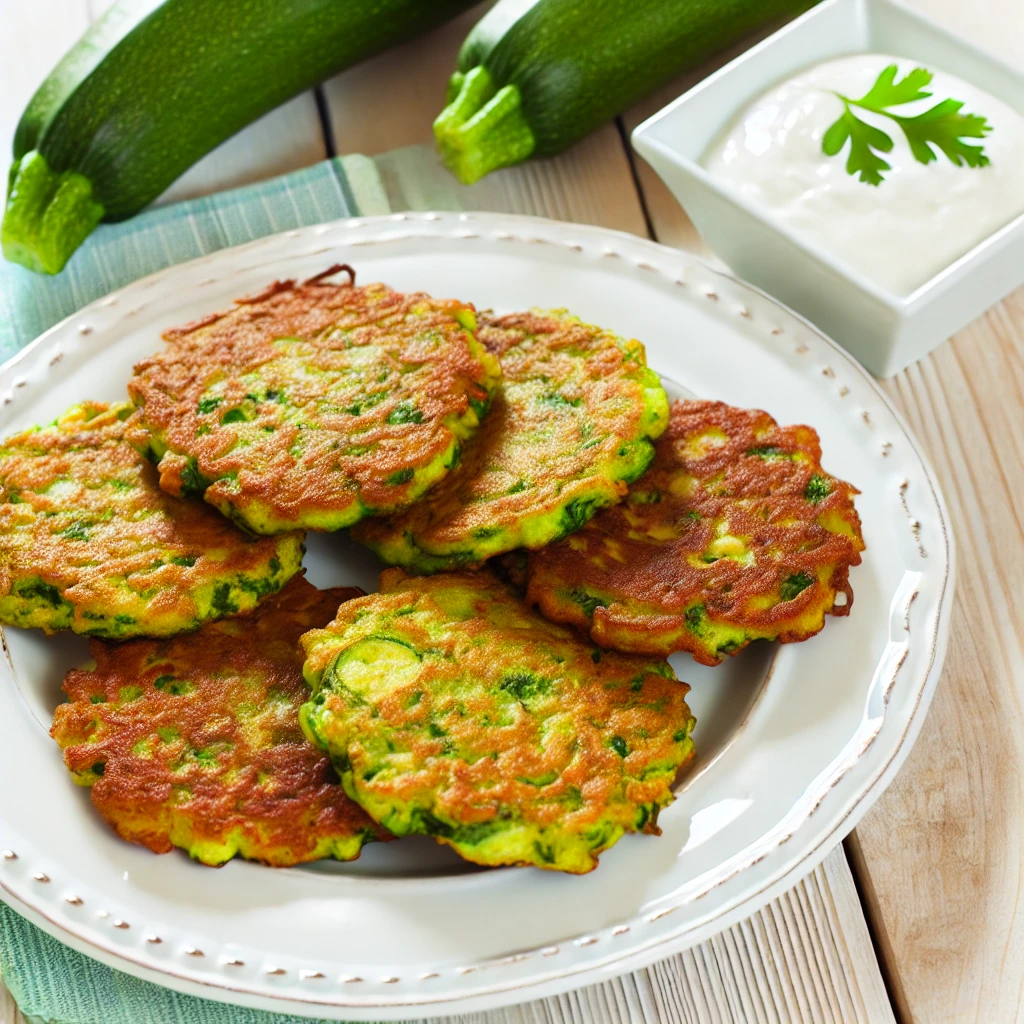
<point>314,405</point>
<point>453,710</point>
<point>571,425</point>
<point>735,534</point>
<point>195,742</point>
<point>89,541</point>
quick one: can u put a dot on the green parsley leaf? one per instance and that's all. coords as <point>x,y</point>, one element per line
<point>864,140</point>
<point>887,92</point>
<point>944,126</point>
<point>941,126</point>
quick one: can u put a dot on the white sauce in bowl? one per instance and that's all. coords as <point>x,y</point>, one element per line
<point>921,218</point>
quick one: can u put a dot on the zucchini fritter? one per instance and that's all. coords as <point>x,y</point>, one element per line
<point>571,425</point>
<point>195,742</point>
<point>314,405</point>
<point>453,710</point>
<point>89,541</point>
<point>735,534</point>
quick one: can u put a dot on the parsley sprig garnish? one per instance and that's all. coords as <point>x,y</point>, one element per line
<point>941,126</point>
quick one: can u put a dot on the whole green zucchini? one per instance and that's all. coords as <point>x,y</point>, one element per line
<point>156,85</point>
<point>535,76</point>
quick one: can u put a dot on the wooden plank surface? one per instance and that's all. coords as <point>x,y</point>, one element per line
<point>391,100</point>
<point>283,140</point>
<point>32,37</point>
<point>804,959</point>
<point>940,857</point>
<point>807,957</point>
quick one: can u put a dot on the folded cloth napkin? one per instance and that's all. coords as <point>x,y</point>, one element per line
<point>118,253</point>
<point>52,983</point>
<point>410,178</point>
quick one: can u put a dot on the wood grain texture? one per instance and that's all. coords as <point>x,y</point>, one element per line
<point>284,140</point>
<point>941,854</point>
<point>940,857</point>
<point>804,959</point>
<point>32,38</point>
<point>670,224</point>
<point>391,101</point>
<point>9,1012</point>
<point>37,35</point>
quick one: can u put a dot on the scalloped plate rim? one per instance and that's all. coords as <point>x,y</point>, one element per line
<point>547,982</point>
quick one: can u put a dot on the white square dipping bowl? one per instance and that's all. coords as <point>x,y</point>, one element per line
<point>883,330</point>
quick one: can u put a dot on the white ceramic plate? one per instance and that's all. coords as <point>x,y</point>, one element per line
<point>794,742</point>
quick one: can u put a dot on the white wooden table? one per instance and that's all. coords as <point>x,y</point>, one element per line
<point>938,864</point>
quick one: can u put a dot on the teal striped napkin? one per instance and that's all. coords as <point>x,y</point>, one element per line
<point>118,253</point>
<point>52,983</point>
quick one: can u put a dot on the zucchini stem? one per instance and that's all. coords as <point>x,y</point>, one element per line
<point>48,214</point>
<point>481,128</point>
